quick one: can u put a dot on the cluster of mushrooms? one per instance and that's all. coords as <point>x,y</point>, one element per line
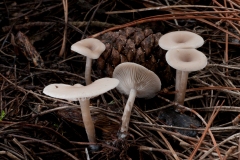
<point>130,78</point>
<point>183,56</point>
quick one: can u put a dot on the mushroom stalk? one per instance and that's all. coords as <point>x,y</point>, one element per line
<point>127,110</point>
<point>182,85</point>
<point>88,70</point>
<point>178,80</point>
<point>87,120</point>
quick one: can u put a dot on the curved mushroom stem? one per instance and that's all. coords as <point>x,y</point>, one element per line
<point>127,113</point>
<point>182,85</point>
<point>88,70</point>
<point>87,121</point>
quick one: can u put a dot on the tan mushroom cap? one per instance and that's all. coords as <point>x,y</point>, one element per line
<point>89,47</point>
<point>186,59</point>
<point>180,39</point>
<point>135,76</point>
<point>77,91</point>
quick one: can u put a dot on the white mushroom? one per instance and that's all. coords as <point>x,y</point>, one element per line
<point>83,94</point>
<point>135,81</point>
<point>91,48</point>
<point>180,39</point>
<point>184,61</point>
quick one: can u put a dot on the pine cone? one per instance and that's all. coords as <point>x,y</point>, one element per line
<point>133,45</point>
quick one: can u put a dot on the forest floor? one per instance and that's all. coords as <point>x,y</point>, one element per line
<point>35,41</point>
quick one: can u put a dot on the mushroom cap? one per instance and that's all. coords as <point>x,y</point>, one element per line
<point>135,76</point>
<point>89,47</point>
<point>180,39</point>
<point>77,91</point>
<point>186,59</point>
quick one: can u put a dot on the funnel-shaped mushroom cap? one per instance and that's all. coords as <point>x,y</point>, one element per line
<point>135,76</point>
<point>89,47</point>
<point>180,39</point>
<point>186,59</point>
<point>73,93</point>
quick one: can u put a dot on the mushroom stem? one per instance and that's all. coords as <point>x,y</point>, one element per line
<point>87,121</point>
<point>178,80</point>
<point>182,85</point>
<point>88,70</point>
<point>127,110</point>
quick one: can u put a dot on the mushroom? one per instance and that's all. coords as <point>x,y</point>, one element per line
<point>83,94</point>
<point>91,48</point>
<point>180,39</point>
<point>184,61</point>
<point>135,81</point>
